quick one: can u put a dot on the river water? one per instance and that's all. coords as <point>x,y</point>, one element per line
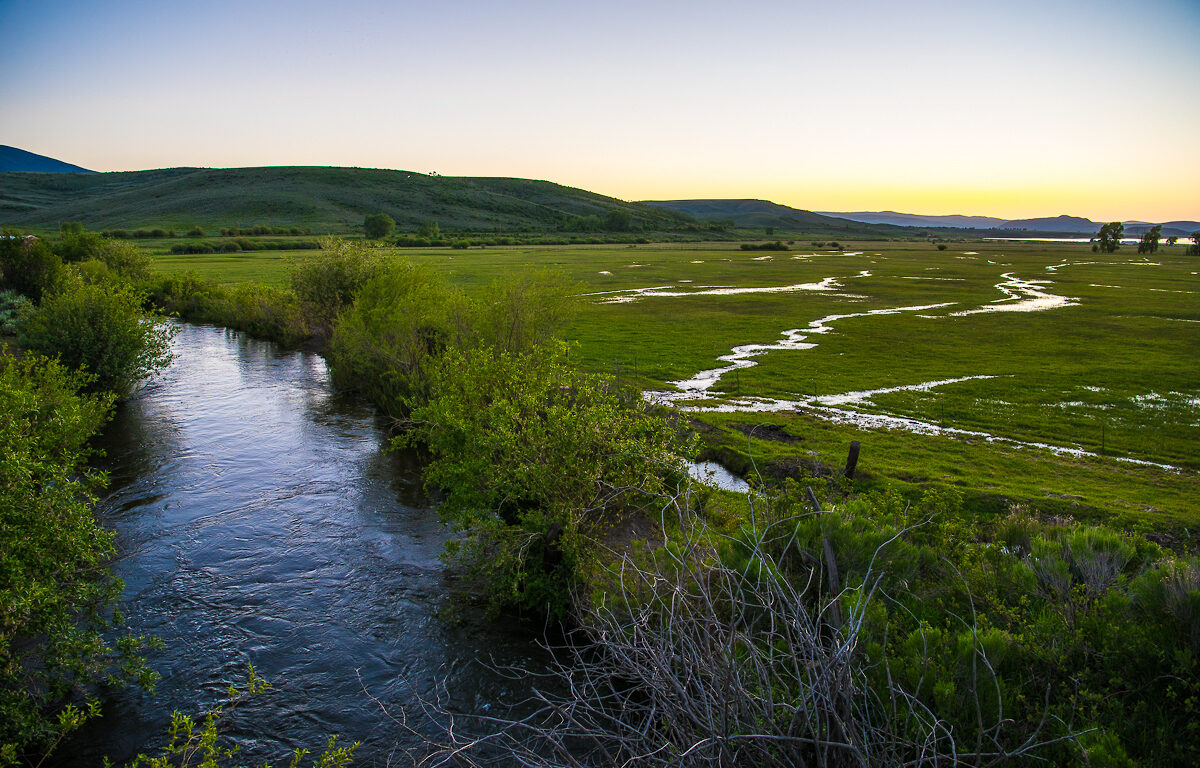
<point>259,521</point>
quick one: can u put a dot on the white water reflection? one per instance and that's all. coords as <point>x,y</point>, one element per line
<point>854,398</point>
<point>1024,295</point>
<point>712,473</point>
<point>794,339</point>
<point>635,294</point>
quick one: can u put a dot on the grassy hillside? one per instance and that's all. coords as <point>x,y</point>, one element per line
<point>759,214</point>
<point>324,199</point>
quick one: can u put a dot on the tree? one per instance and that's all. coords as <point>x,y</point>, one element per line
<point>430,230</point>
<point>1194,248</point>
<point>378,225</point>
<point>1109,237</point>
<point>1149,242</point>
<point>618,220</point>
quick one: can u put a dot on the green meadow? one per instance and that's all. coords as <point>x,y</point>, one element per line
<point>1113,371</point>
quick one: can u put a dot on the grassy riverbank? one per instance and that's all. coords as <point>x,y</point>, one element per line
<point>1113,371</point>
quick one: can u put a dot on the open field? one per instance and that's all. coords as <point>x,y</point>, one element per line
<point>1105,362</point>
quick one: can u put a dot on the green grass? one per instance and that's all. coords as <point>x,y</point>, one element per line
<point>1119,372</point>
<point>324,199</point>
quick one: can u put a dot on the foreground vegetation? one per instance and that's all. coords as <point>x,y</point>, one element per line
<point>959,601</point>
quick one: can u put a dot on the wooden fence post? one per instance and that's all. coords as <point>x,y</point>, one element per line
<point>852,459</point>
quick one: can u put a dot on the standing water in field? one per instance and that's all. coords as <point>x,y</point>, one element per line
<point>259,521</point>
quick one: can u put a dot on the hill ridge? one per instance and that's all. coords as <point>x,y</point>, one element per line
<point>14,159</point>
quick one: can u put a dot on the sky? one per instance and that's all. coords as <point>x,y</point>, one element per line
<point>1009,109</point>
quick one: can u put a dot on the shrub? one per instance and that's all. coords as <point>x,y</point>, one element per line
<point>12,304</point>
<point>775,246</point>
<point>55,590</point>
<point>29,266</point>
<point>126,260</point>
<point>266,312</point>
<point>101,329</point>
<point>520,312</point>
<point>403,318</point>
<point>378,225</point>
<point>533,457</point>
<point>326,282</point>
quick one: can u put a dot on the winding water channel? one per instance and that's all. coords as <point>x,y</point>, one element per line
<point>260,521</point>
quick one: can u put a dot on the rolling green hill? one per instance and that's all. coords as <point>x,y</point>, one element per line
<point>322,198</point>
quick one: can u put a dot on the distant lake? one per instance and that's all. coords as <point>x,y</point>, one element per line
<point>1124,240</point>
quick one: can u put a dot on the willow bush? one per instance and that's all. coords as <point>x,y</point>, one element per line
<point>100,328</point>
<point>56,593</point>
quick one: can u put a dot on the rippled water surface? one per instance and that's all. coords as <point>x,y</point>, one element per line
<point>260,522</point>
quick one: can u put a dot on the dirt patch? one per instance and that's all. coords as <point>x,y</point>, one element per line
<point>773,432</point>
<point>635,527</point>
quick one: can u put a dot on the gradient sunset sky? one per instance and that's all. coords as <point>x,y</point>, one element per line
<point>1009,109</point>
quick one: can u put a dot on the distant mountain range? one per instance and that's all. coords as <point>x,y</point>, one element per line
<point>760,214</point>
<point>918,220</point>
<point>13,159</point>
<point>1064,225</point>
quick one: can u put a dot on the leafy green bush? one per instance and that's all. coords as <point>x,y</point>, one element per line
<point>404,317</point>
<point>533,458</point>
<point>1057,628</point>
<point>123,258</point>
<point>266,312</point>
<point>101,329</point>
<point>29,266</point>
<point>774,246</point>
<point>378,225</point>
<point>327,281</point>
<point>12,304</point>
<point>55,590</point>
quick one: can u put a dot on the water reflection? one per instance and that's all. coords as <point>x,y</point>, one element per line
<point>259,522</point>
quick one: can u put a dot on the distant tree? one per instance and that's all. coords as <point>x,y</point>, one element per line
<point>1194,248</point>
<point>618,220</point>
<point>69,228</point>
<point>378,225</point>
<point>1108,239</point>
<point>1149,242</point>
<point>1172,240</point>
<point>195,232</point>
<point>29,266</point>
<point>941,246</point>
<point>770,231</point>
<point>430,230</point>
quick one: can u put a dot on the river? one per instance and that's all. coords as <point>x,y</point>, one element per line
<point>259,521</point>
